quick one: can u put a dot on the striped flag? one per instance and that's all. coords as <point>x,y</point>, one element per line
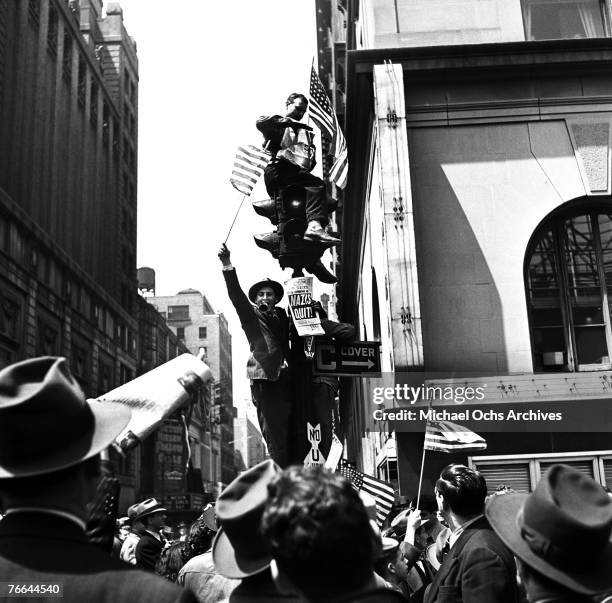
<point>382,492</point>
<point>445,436</point>
<point>324,116</point>
<point>248,167</point>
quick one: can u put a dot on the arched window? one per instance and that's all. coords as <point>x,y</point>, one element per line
<point>568,277</point>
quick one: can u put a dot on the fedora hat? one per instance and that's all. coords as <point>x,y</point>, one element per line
<point>267,282</point>
<point>45,422</point>
<point>562,529</point>
<point>238,549</point>
<point>150,506</point>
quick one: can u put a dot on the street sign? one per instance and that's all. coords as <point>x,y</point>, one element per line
<point>355,359</point>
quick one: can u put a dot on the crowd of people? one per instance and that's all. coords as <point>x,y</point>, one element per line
<point>298,534</point>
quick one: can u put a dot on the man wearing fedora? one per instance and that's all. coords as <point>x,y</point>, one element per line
<point>239,550</point>
<point>560,535</point>
<point>149,547</point>
<point>128,548</point>
<point>478,568</point>
<point>50,440</point>
<point>267,329</point>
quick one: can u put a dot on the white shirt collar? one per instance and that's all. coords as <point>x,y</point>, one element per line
<point>48,511</point>
<point>458,531</point>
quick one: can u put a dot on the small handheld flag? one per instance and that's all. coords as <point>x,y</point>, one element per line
<point>383,493</point>
<point>249,165</point>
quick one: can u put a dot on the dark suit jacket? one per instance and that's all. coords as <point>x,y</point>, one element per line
<point>36,547</point>
<point>478,569</point>
<point>148,551</point>
<point>268,334</point>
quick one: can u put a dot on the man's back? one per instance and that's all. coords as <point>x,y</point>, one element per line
<point>200,576</point>
<point>47,549</point>
<point>478,569</point>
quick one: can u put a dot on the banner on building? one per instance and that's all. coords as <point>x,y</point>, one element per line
<point>299,294</point>
<point>156,395</point>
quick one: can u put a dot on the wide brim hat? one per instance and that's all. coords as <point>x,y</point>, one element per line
<point>238,549</point>
<point>147,507</point>
<point>45,422</point>
<point>267,282</point>
<point>562,529</point>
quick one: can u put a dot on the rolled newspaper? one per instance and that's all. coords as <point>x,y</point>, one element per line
<point>154,396</point>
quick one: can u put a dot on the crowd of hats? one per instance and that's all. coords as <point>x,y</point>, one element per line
<point>561,530</point>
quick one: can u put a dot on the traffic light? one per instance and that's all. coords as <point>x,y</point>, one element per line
<point>286,243</point>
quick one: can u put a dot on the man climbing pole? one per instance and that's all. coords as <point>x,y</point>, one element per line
<point>267,329</point>
<point>289,141</point>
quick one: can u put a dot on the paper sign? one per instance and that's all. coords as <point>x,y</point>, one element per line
<point>335,454</point>
<point>156,395</point>
<point>314,457</point>
<point>299,294</point>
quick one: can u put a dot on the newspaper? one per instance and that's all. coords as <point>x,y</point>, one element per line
<point>156,395</point>
<point>299,294</point>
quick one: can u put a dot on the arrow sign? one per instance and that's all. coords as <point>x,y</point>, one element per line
<point>359,358</point>
<point>367,363</point>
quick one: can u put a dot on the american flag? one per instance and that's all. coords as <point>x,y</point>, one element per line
<point>382,492</point>
<point>324,116</point>
<point>445,436</point>
<point>248,167</point>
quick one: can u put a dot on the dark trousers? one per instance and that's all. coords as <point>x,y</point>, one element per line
<point>315,404</point>
<point>272,399</point>
<point>281,174</point>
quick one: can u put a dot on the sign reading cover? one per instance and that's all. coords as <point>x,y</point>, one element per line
<point>347,359</point>
<point>299,294</point>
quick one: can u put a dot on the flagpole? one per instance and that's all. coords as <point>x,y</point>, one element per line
<point>423,460</point>
<point>421,476</point>
<point>234,221</point>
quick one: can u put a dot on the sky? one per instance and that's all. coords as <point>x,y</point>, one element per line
<point>207,70</point>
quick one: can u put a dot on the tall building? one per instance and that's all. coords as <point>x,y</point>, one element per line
<point>68,148</point>
<point>248,443</point>
<point>480,226</point>
<point>194,321</point>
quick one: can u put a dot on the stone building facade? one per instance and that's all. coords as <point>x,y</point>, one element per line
<point>476,248</point>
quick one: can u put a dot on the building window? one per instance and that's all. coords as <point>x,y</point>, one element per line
<point>52,31</point>
<point>563,19</point>
<point>93,104</point>
<point>34,12</point>
<point>180,332</point>
<point>178,312</point>
<point>202,332</point>
<point>82,73</point>
<point>523,472</point>
<point>67,57</point>
<point>568,275</point>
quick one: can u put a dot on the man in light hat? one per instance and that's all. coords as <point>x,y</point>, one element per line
<point>267,329</point>
<point>50,440</point>
<point>128,548</point>
<point>239,550</point>
<point>560,535</point>
<point>149,547</point>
